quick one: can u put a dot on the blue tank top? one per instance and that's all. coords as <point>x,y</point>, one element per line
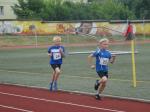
<point>102,59</point>
<point>56,57</point>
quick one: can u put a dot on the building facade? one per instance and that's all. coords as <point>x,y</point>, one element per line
<point>6,11</point>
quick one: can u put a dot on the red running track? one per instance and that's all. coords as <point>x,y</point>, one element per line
<point>25,99</point>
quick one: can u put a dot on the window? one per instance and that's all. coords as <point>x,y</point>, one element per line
<point>1,10</point>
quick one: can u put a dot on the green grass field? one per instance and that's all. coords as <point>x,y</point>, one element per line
<point>30,67</point>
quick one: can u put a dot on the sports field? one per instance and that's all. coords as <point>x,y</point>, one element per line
<point>29,66</point>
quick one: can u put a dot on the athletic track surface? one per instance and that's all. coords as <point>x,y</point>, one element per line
<point>26,99</point>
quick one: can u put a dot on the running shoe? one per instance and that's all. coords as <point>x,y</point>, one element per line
<point>97,97</point>
<point>51,86</point>
<point>55,86</point>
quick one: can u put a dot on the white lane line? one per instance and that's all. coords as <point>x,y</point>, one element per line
<point>14,108</point>
<point>82,92</point>
<point>60,102</point>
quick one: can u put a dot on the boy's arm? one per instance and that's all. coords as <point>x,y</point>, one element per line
<point>62,52</point>
<point>90,59</point>
<point>112,60</point>
<point>49,54</point>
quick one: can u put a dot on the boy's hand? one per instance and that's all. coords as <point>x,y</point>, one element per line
<point>61,50</point>
<point>113,59</point>
<point>114,56</point>
<point>50,54</point>
<point>92,66</point>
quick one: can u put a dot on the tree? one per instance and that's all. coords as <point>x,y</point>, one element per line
<point>26,9</point>
<point>140,8</point>
<point>112,9</point>
<point>58,10</point>
<point>143,9</point>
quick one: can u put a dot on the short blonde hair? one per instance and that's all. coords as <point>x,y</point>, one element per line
<point>103,40</point>
<point>57,39</point>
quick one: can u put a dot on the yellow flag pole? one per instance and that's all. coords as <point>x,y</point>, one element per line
<point>133,62</point>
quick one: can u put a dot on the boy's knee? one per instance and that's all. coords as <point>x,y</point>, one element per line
<point>57,70</point>
<point>104,80</point>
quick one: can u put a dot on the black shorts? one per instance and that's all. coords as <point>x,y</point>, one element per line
<point>54,66</point>
<point>102,74</point>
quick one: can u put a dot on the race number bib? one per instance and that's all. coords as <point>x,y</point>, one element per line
<point>56,56</point>
<point>104,61</point>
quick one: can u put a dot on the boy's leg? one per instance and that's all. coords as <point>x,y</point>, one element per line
<point>57,73</point>
<point>96,84</point>
<point>101,87</point>
<point>52,81</point>
<point>52,77</point>
<point>51,86</point>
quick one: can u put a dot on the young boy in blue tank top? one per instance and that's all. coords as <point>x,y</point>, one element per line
<point>103,57</point>
<point>56,54</point>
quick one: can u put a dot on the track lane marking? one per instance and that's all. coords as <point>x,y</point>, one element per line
<point>60,102</point>
<point>80,92</point>
<point>14,108</point>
